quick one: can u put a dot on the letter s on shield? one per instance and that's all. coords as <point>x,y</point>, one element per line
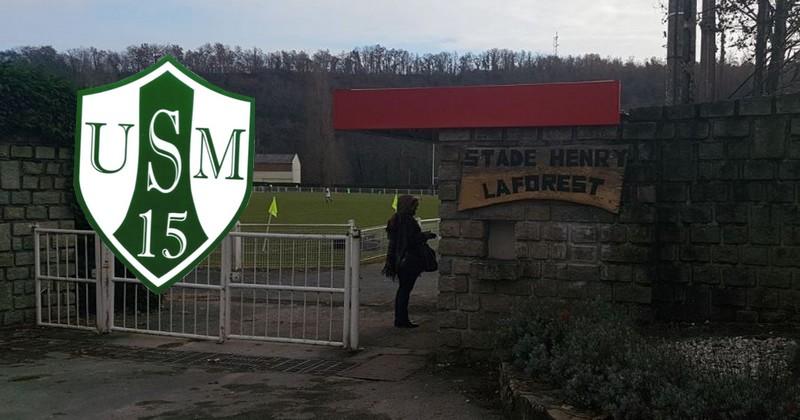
<point>163,168</point>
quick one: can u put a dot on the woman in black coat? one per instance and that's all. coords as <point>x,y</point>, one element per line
<point>403,258</point>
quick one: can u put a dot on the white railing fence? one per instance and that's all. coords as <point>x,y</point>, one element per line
<point>294,283</point>
<point>346,190</point>
<point>333,229</point>
<point>374,240</point>
<point>289,287</point>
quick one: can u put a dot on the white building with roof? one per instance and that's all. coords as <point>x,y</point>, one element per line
<point>276,169</point>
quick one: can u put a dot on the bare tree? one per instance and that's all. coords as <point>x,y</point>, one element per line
<point>767,34</point>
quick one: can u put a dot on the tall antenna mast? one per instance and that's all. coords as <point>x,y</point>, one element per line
<point>555,45</point>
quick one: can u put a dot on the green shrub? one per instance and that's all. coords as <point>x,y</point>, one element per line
<point>527,339</point>
<point>35,103</point>
<point>594,354</point>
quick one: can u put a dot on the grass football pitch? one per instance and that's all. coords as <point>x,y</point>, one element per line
<point>367,210</point>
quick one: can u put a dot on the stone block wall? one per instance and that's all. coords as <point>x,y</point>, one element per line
<point>708,228</point>
<point>35,188</point>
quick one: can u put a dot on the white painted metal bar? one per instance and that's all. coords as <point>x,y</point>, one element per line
<point>348,190</point>
<point>237,248</point>
<point>67,297</point>
<point>49,306</point>
<point>323,236</point>
<point>330,297</point>
<point>136,305</point>
<point>355,273</point>
<point>291,293</point>
<point>347,288</point>
<point>102,309</point>
<point>319,278</point>
<point>280,281</point>
<point>87,273</point>
<point>225,294</point>
<point>76,327</point>
<point>71,280</point>
<point>373,229</point>
<point>287,340</point>
<point>37,273</point>
<point>107,274</point>
<point>305,284</point>
<point>167,333</point>
<point>299,225</point>
<point>436,220</point>
<point>286,288</point>
<point>176,284</point>
<point>58,284</point>
<point>65,231</point>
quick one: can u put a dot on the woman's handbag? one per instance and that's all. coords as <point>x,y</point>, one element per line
<point>428,258</point>
<point>422,260</point>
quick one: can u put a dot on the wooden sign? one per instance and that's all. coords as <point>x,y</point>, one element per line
<point>590,175</point>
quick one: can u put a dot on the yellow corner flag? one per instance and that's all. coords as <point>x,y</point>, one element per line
<point>394,202</point>
<point>273,208</point>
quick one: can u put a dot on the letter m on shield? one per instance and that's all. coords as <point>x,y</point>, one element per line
<point>163,169</point>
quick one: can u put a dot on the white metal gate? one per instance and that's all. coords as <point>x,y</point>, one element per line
<point>193,307</point>
<point>297,288</point>
<point>66,279</point>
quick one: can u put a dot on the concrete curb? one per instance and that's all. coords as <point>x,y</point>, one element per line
<point>526,399</point>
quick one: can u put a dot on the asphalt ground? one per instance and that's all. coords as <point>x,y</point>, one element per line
<point>398,373</point>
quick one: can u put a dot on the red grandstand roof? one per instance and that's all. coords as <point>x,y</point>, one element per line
<point>541,105</point>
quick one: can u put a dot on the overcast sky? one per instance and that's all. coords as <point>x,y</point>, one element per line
<point>619,28</point>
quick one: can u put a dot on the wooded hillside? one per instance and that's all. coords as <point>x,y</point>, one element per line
<point>292,89</point>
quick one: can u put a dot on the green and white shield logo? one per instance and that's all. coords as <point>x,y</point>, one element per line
<point>163,168</point>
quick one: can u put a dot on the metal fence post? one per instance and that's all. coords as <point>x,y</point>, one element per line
<point>101,313</point>
<point>37,269</point>
<point>104,286</point>
<point>355,272</point>
<point>224,292</point>
<point>237,248</point>
<point>348,290</point>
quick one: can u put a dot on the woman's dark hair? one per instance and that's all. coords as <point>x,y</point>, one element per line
<point>406,205</point>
